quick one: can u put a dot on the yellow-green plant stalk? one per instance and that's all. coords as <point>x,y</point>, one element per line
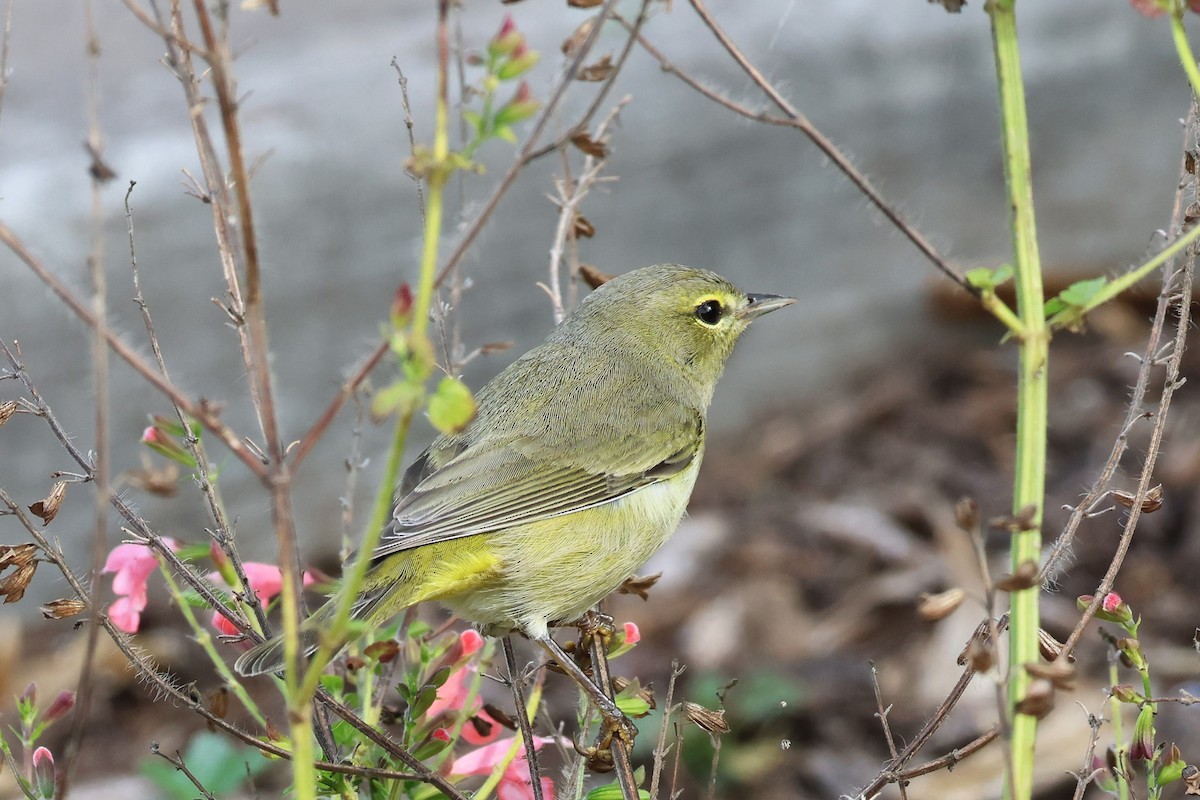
<point>1029,477</point>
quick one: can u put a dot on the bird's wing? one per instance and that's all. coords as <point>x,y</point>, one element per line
<point>489,488</point>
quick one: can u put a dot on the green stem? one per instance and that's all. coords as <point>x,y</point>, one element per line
<point>1032,398</point>
<point>205,640</point>
<point>1183,49</point>
<point>382,508</point>
<point>1118,736</point>
<point>1119,285</point>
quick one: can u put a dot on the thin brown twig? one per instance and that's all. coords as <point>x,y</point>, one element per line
<point>1135,409</point>
<point>148,536</point>
<point>472,231</point>
<point>892,769</point>
<point>581,124</point>
<point>198,411</point>
<point>163,683</point>
<point>794,119</point>
<point>347,390</point>
<point>951,759</point>
<point>221,534</point>
<point>1086,772</point>
<point>1176,294</point>
<point>882,714</point>
<point>571,194</point>
<point>620,750</point>
<point>660,748</point>
<point>177,762</point>
<point>100,373</point>
<point>515,683</point>
<point>522,156</point>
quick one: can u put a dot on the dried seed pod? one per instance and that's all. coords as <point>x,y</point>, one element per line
<point>48,508</point>
<point>1026,577</point>
<point>933,607</point>
<point>1150,503</point>
<point>1060,675</point>
<point>13,585</point>
<point>595,278</point>
<point>639,585</point>
<point>1038,700</point>
<point>60,609</point>
<point>966,514</point>
<point>712,721</point>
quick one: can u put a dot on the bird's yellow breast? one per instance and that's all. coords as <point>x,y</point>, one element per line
<point>554,570</point>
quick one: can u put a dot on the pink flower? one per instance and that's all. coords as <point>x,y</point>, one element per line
<point>470,641</point>
<point>266,581</point>
<point>515,783</point>
<point>633,634</point>
<point>132,565</point>
<point>1111,601</point>
<point>43,772</point>
<point>1148,8</point>
<point>452,697</point>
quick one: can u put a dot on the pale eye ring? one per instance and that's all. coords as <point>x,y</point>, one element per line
<point>709,312</point>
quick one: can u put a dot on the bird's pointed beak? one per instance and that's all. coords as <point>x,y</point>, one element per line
<point>763,304</point>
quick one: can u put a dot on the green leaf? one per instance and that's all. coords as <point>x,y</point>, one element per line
<point>506,133</point>
<point>399,397</point>
<point>613,792</point>
<point>421,702</point>
<point>452,407</point>
<point>987,278</point>
<point>1081,293</point>
<point>633,706</point>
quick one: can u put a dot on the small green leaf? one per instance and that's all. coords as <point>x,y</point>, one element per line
<point>1081,293</point>
<point>987,278</point>
<point>1053,306</point>
<point>399,397</point>
<point>452,407</point>
<point>1171,772</point>
<point>633,706</point>
<point>422,701</point>
<point>506,133</point>
<point>430,748</point>
<point>613,792</point>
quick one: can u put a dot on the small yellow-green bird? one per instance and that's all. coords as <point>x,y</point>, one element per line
<point>576,468</point>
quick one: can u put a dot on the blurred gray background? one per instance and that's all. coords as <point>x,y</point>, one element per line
<point>905,88</point>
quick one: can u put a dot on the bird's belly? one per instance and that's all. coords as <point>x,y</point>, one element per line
<point>556,569</point>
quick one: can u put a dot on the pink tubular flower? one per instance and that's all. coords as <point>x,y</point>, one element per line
<point>131,565</point>
<point>633,634</point>
<point>515,783</point>
<point>480,727</point>
<point>1149,8</point>
<point>1111,601</point>
<point>265,579</point>
<point>43,772</point>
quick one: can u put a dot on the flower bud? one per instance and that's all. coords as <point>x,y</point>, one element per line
<point>1172,765</point>
<point>43,772</point>
<point>61,706</point>
<point>520,62</point>
<point>522,106</point>
<point>506,40</point>
<point>1124,693</point>
<point>1131,652</point>
<point>1143,735</point>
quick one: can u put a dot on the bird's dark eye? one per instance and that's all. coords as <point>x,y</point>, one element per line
<point>709,312</point>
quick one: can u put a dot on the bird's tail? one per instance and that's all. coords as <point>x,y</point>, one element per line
<point>269,657</point>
